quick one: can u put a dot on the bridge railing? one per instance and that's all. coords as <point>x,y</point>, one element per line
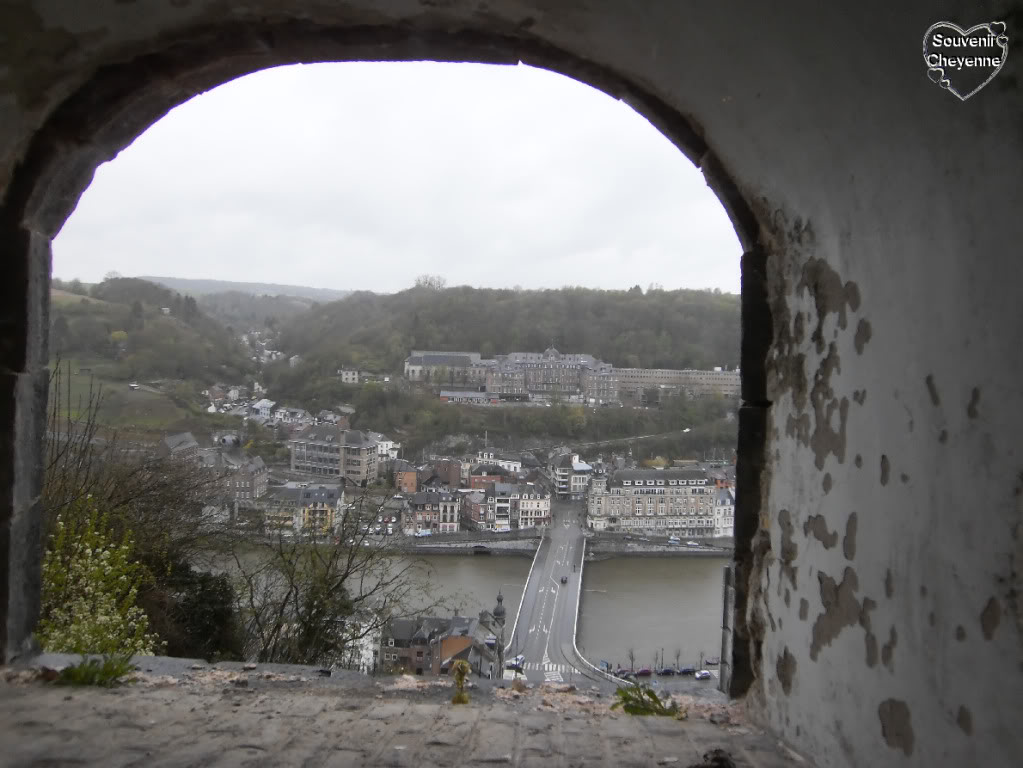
<point>575,630</point>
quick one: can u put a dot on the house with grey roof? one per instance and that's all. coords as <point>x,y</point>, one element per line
<point>180,447</point>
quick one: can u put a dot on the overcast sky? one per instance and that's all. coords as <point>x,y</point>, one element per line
<point>363,176</point>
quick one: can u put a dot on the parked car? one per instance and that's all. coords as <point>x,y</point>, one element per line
<point>666,671</point>
<point>422,533</point>
<point>713,661</point>
<point>702,674</point>
<point>687,671</point>
<point>644,672</point>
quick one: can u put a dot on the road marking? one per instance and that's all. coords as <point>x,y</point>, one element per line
<point>553,677</point>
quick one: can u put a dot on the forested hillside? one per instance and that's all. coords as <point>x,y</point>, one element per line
<point>200,287</point>
<point>655,329</point>
<point>121,324</point>
<point>243,311</point>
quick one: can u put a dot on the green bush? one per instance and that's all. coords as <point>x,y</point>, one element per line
<point>90,588</point>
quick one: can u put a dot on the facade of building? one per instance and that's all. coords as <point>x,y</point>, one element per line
<point>443,368</point>
<point>469,397</point>
<point>548,374</point>
<point>406,477</point>
<point>724,513</point>
<point>434,511</point>
<point>518,505</point>
<point>303,508</point>
<point>655,501</point>
<point>477,514</point>
<point>264,408</point>
<point>348,376</point>
<point>696,383</point>
<point>328,450</point>
<point>571,476</point>
<point>485,474</point>
<point>510,463</point>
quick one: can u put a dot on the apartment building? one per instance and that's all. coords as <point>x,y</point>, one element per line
<point>434,511</point>
<point>303,508</point>
<point>518,505</point>
<point>406,477</point>
<point>696,383</point>
<point>445,367</point>
<point>571,476</point>
<point>329,450</point>
<point>724,513</point>
<point>655,501</point>
<point>510,463</point>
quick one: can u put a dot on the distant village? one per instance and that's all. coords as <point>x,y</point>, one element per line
<point>331,466</point>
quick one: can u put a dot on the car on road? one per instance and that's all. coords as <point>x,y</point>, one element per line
<point>702,674</point>
<point>692,544</point>
<point>515,663</point>
<point>564,579</point>
<point>421,534</point>
<point>674,541</point>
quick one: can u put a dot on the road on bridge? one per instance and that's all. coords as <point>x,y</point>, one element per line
<point>543,632</point>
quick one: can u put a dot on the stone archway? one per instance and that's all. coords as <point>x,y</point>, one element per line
<point>880,309</point>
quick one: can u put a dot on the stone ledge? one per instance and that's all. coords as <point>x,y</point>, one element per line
<point>186,712</point>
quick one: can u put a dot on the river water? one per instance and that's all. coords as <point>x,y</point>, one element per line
<point>644,603</point>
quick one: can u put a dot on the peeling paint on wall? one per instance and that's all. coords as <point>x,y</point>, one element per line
<point>849,540</point>
<point>786,669</point>
<point>841,609</point>
<point>817,526</point>
<point>971,409</point>
<point>896,725</point>
<point>990,616</point>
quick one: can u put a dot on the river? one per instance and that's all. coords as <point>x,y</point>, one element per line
<point>643,603</point>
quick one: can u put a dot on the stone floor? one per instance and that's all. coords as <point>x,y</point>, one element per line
<point>229,715</point>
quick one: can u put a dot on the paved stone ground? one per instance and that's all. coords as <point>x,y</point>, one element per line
<point>231,716</point>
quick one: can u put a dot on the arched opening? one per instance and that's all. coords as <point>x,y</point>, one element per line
<point>121,101</point>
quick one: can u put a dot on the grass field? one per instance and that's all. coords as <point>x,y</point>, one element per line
<point>140,413</point>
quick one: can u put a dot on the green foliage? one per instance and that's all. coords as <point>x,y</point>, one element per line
<point>125,325</point>
<point>105,673</point>
<point>90,588</point>
<point>658,329</point>
<point>244,311</point>
<point>643,700</point>
<point>194,612</point>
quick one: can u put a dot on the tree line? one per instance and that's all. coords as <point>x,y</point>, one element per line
<point>634,328</point>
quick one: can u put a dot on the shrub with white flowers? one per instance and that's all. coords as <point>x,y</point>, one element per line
<point>90,588</point>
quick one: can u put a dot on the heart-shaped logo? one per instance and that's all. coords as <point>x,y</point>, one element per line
<point>964,61</point>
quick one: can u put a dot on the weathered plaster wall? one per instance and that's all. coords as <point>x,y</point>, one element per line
<point>880,475</point>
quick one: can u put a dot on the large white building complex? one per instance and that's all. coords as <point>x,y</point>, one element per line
<point>684,502</point>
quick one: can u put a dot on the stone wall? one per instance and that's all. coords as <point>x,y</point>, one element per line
<point>880,482</point>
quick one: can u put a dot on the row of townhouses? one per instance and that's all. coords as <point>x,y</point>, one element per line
<point>551,374</point>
